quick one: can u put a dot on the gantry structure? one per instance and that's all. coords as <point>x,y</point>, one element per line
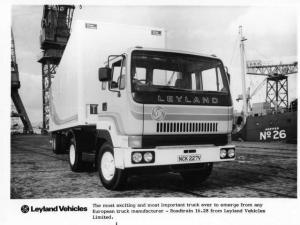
<point>15,86</point>
<point>277,81</point>
<point>55,31</point>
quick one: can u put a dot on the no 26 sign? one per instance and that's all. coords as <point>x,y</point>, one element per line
<point>272,134</point>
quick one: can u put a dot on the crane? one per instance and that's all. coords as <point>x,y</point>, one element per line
<point>277,81</point>
<point>15,85</point>
<point>55,31</point>
<point>276,77</point>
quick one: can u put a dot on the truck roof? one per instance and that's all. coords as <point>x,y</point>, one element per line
<point>172,50</point>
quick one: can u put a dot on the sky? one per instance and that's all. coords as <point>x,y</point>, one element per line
<point>271,34</point>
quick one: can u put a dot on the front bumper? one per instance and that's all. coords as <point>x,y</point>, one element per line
<point>168,155</point>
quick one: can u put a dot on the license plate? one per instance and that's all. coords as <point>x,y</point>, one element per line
<point>189,158</point>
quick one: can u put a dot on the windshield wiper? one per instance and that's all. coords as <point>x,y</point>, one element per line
<point>172,88</point>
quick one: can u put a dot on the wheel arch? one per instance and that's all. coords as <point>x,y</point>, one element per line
<point>102,136</point>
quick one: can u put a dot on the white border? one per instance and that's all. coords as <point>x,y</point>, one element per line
<point>280,211</point>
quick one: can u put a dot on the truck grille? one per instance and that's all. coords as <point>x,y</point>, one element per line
<point>185,127</point>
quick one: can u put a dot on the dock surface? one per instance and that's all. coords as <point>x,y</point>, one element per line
<point>261,170</point>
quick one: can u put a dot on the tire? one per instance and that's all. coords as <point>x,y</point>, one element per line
<point>111,177</point>
<point>75,156</point>
<point>198,176</point>
<point>57,145</point>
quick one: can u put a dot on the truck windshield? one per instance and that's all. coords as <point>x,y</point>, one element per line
<point>165,71</point>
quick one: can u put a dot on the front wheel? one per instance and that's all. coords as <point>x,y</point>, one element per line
<point>197,176</point>
<point>111,177</point>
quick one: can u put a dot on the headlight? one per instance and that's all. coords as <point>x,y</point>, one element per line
<point>223,153</point>
<point>137,157</point>
<point>148,157</point>
<point>231,153</point>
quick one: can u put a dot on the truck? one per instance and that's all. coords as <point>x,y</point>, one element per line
<point>124,104</point>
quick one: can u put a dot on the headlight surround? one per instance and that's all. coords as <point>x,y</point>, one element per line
<point>142,157</point>
<point>227,153</point>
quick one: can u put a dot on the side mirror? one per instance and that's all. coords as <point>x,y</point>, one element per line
<point>104,74</point>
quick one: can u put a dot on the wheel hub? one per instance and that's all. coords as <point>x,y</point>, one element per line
<point>54,143</point>
<point>108,166</point>
<point>72,154</point>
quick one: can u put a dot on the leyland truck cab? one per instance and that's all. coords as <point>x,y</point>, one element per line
<point>175,108</point>
<point>143,110</point>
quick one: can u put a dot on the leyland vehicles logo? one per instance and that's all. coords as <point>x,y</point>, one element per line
<point>25,209</point>
<point>158,113</point>
<point>58,208</point>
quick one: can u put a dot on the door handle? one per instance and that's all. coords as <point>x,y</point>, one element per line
<point>104,106</point>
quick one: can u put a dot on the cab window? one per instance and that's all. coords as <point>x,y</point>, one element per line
<point>118,75</point>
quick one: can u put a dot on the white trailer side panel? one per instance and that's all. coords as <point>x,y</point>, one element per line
<point>64,88</point>
<point>76,82</point>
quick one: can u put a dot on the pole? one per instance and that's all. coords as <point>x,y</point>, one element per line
<point>243,75</point>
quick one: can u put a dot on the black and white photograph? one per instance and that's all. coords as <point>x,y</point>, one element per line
<point>166,110</point>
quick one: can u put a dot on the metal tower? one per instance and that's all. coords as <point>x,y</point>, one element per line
<point>55,32</point>
<point>242,52</point>
<point>15,85</point>
<point>277,81</point>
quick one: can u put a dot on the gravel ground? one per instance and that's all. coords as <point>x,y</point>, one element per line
<point>264,170</point>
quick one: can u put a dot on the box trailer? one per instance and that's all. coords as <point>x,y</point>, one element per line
<point>122,102</point>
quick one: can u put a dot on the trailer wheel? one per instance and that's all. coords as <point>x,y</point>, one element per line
<point>111,177</point>
<point>58,143</point>
<point>197,176</point>
<point>75,156</point>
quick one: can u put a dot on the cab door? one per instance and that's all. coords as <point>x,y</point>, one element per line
<point>116,102</point>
